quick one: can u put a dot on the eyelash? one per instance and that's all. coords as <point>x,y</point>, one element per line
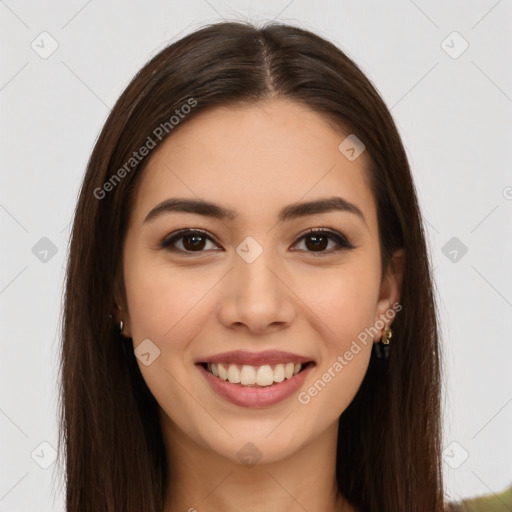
<point>342,242</point>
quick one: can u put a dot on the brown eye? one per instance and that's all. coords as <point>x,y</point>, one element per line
<point>190,241</point>
<point>194,242</point>
<point>317,241</point>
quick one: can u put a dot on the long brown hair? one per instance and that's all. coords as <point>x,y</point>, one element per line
<point>389,444</point>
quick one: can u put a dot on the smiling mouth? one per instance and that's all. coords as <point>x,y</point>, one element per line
<point>255,376</point>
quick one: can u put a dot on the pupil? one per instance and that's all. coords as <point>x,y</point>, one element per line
<point>317,244</point>
<point>197,242</point>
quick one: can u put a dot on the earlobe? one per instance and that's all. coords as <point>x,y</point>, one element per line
<point>122,322</point>
<point>391,286</point>
<point>120,314</point>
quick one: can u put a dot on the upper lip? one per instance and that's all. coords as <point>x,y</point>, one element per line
<point>255,358</point>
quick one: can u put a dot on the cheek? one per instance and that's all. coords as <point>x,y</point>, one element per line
<point>334,386</point>
<point>168,306</point>
<point>344,301</point>
<point>344,354</point>
<point>163,299</point>
<point>344,298</point>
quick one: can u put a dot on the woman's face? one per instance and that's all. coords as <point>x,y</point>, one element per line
<point>254,283</point>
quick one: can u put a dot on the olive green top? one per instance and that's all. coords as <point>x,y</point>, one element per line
<point>501,502</point>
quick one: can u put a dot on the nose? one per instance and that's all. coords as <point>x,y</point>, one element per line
<point>256,297</point>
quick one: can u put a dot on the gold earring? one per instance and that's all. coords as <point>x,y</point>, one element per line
<point>382,346</point>
<point>386,336</point>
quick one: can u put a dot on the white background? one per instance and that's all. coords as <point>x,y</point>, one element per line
<point>454,115</point>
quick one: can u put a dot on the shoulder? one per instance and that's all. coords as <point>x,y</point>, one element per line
<point>485,503</point>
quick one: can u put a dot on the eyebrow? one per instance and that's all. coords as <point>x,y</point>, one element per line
<point>290,212</point>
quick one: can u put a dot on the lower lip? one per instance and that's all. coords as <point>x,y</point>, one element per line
<point>255,396</point>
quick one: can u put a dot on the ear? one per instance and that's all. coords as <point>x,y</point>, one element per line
<point>120,308</point>
<point>390,289</point>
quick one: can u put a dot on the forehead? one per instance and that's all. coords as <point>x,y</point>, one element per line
<point>253,159</point>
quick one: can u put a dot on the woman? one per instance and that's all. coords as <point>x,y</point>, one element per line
<point>249,318</point>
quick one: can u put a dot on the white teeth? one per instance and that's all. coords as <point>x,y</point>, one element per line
<point>279,373</point>
<point>264,375</point>
<point>233,374</point>
<point>249,375</point>
<point>223,374</point>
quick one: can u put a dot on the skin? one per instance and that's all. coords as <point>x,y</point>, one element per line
<point>255,159</point>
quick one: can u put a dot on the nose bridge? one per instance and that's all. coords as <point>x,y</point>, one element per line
<point>256,296</point>
<point>255,276</point>
<point>252,268</point>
